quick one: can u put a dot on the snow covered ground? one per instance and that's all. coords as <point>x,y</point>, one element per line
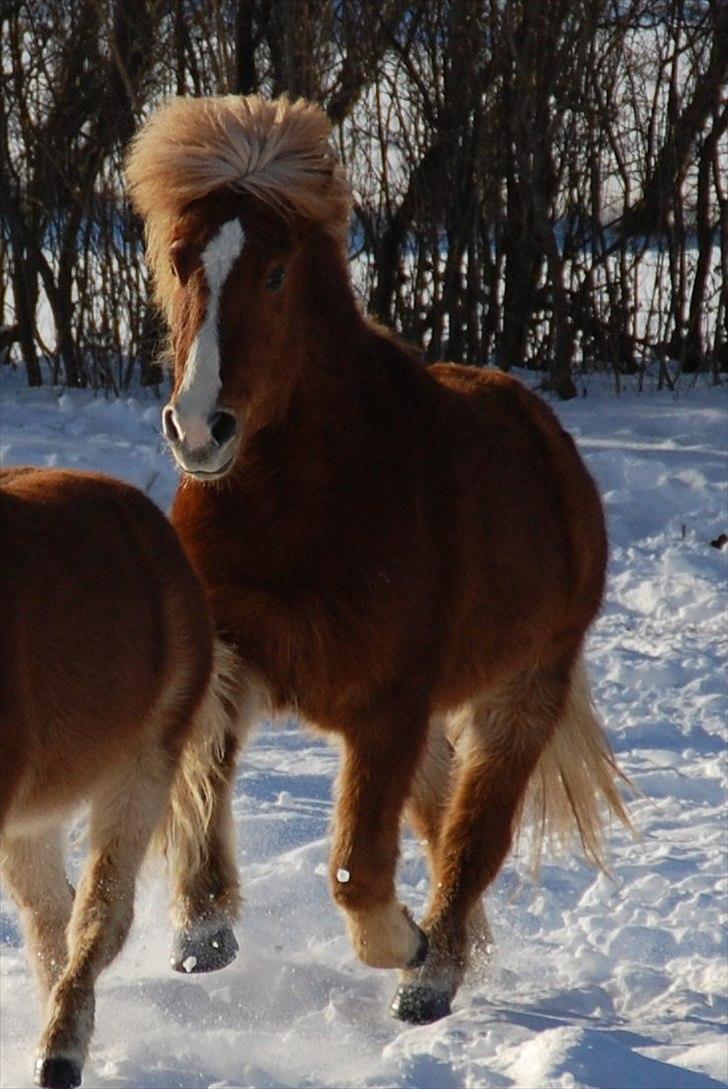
<point>594,983</point>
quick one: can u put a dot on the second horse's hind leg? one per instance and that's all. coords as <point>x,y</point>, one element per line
<point>33,867</point>
<point>506,734</point>
<point>123,818</point>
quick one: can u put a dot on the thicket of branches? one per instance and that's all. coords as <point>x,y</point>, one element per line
<point>537,181</point>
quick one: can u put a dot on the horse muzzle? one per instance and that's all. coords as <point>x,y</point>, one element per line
<point>203,448</point>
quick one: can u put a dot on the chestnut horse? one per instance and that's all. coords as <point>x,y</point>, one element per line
<point>384,543</point>
<point>105,695</point>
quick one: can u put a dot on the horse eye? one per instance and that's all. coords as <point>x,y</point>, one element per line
<point>276,278</point>
<point>183,258</point>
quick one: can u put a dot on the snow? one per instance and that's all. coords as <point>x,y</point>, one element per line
<point>593,983</point>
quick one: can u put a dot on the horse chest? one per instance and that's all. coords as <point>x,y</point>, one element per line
<point>321,629</point>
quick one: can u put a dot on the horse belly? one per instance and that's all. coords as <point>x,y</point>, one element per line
<point>511,601</point>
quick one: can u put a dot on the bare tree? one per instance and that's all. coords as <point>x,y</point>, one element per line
<point>537,182</point>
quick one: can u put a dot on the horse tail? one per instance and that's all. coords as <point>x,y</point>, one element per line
<point>225,714</point>
<point>575,782</point>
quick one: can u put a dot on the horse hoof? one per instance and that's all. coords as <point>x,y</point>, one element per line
<point>419,1004</point>
<point>57,1073</point>
<point>209,952</point>
<point>421,952</point>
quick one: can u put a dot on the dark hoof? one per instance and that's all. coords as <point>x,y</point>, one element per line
<point>192,953</point>
<point>421,954</point>
<point>419,1004</point>
<point>57,1073</point>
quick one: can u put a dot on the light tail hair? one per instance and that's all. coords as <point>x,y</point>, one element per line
<point>575,783</point>
<point>230,706</point>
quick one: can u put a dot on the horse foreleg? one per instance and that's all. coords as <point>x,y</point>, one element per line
<point>199,830</point>
<point>378,764</point>
<point>206,887</point>
<point>506,735</point>
<point>33,867</point>
<point>123,818</point>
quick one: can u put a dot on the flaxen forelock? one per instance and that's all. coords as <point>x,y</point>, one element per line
<point>277,150</point>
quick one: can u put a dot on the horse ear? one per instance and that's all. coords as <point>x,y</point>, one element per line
<point>184,257</point>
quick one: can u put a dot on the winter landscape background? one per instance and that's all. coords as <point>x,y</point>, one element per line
<point>538,183</point>
<point>593,984</point>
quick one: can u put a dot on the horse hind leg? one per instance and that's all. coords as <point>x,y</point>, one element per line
<point>33,868</point>
<point>124,814</point>
<point>504,737</point>
<point>431,788</point>
<point>426,810</point>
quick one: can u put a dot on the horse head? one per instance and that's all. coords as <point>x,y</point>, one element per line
<point>235,265</point>
<point>233,190</point>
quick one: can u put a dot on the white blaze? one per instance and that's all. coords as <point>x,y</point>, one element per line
<point>200,388</point>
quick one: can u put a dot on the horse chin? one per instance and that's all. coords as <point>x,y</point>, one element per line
<point>208,474</point>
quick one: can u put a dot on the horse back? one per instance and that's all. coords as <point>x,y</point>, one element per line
<point>100,610</point>
<point>527,533</point>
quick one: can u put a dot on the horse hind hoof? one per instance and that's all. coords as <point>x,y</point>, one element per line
<point>420,1004</point>
<point>57,1073</point>
<point>194,952</point>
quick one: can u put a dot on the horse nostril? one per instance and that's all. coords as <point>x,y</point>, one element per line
<point>222,427</point>
<point>168,425</point>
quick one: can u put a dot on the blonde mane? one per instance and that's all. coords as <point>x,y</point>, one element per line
<point>277,150</point>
